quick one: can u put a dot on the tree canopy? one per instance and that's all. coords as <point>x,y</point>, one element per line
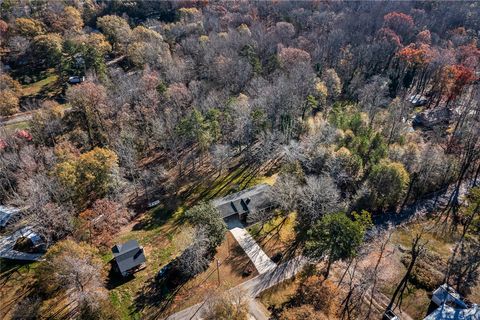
<point>336,237</point>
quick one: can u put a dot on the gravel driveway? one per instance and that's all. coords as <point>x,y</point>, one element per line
<point>259,258</point>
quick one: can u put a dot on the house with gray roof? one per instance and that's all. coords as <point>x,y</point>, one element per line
<point>451,306</point>
<point>128,257</point>
<point>243,203</point>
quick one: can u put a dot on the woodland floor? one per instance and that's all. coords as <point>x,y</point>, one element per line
<point>416,300</point>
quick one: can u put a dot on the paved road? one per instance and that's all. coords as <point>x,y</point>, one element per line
<point>251,289</point>
<point>17,118</point>
<point>257,310</point>
<point>259,258</point>
<point>7,243</point>
<point>22,117</point>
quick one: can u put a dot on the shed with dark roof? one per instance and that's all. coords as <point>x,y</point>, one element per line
<point>128,257</point>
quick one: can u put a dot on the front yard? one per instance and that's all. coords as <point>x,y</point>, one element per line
<point>276,236</point>
<point>164,235</point>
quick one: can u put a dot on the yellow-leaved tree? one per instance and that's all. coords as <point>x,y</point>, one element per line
<point>89,176</point>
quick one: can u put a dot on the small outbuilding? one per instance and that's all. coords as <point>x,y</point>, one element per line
<point>446,294</point>
<point>128,258</point>
<point>390,315</point>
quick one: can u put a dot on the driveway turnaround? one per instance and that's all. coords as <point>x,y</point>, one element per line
<point>259,258</point>
<point>250,289</point>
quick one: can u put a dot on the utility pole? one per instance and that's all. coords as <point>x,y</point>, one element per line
<point>228,246</point>
<point>218,271</point>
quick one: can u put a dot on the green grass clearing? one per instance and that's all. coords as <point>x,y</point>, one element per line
<point>47,85</point>
<point>280,294</point>
<point>22,125</point>
<point>276,235</point>
<point>163,238</point>
<point>441,245</point>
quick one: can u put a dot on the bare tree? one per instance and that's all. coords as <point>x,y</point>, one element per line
<point>285,193</point>
<point>75,270</point>
<point>374,274</point>
<point>374,95</point>
<point>317,197</point>
<point>220,154</point>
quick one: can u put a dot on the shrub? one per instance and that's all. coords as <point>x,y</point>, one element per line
<point>206,216</point>
<point>321,293</point>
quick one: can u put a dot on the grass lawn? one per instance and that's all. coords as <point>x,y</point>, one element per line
<point>46,87</point>
<point>440,244</point>
<point>11,128</point>
<point>280,294</point>
<point>238,179</point>
<point>163,238</point>
<point>164,235</point>
<point>276,235</point>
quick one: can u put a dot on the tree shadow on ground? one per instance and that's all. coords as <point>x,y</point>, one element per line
<point>114,279</point>
<point>157,217</point>
<point>11,273</point>
<point>240,264</point>
<point>9,266</point>
<point>159,292</point>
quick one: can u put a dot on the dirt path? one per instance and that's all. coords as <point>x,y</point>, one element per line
<point>430,204</point>
<point>17,118</point>
<point>21,117</point>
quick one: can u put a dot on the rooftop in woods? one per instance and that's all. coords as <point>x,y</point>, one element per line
<point>128,256</point>
<point>246,201</point>
<point>451,306</point>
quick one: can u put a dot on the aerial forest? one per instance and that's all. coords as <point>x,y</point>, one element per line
<point>125,120</point>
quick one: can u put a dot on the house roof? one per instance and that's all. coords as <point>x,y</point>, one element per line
<point>6,213</point>
<point>7,245</point>
<point>433,116</point>
<point>446,312</point>
<point>245,201</point>
<point>446,294</point>
<point>451,306</point>
<point>128,255</point>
